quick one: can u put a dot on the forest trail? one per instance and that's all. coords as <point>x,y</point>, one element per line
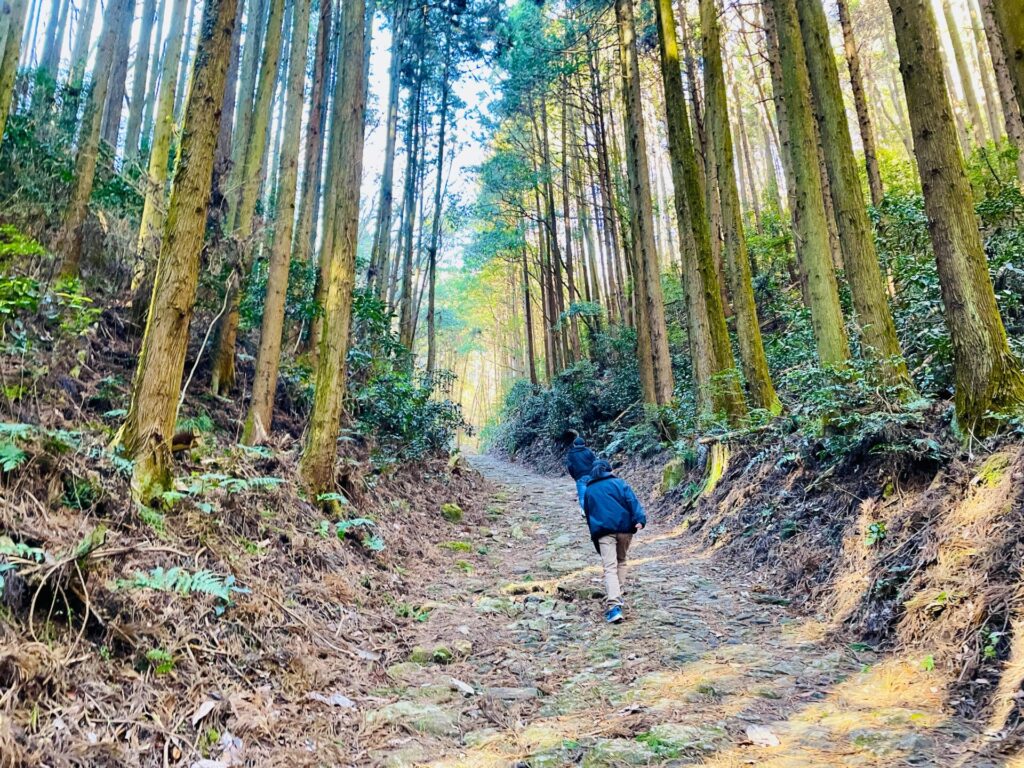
<point>704,671</point>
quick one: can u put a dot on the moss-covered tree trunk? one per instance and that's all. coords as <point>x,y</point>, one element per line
<point>989,380</point>
<point>149,426</point>
<point>261,406</point>
<point>69,243</point>
<point>317,464</point>
<point>860,103</point>
<point>222,377</point>
<point>810,225</point>
<point>652,333</point>
<point>153,206</point>
<point>716,380</point>
<point>748,331</point>
<point>133,127</point>
<point>860,257</point>
<point>12,23</point>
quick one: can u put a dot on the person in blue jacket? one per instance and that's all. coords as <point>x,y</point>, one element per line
<point>613,515</point>
<point>579,462</point>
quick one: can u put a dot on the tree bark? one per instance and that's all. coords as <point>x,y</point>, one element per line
<point>810,226</point>
<point>222,377</point>
<point>989,380</point>
<point>860,103</point>
<point>261,406</point>
<point>528,312</point>
<point>152,222</point>
<point>1009,20</point>
<point>79,61</point>
<point>860,258</point>
<point>110,126</point>
<point>317,463</point>
<point>718,388</point>
<point>652,334</point>
<point>965,74</point>
<point>14,20</point>
<point>70,239</point>
<point>149,425</point>
<point>748,331</point>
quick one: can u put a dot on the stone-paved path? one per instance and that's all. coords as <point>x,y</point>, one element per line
<point>514,666</point>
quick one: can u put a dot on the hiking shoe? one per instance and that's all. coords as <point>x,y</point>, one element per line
<point>614,614</point>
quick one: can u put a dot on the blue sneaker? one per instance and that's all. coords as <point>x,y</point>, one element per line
<point>614,614</point>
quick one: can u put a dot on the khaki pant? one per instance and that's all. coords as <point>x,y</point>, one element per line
<point>613,549</point>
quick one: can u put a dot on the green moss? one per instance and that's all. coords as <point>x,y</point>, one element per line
<point>452,512</point>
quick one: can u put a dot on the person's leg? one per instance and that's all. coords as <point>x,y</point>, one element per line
<point>608,546</point>
<point>581,489</point>
<point>622,542</point>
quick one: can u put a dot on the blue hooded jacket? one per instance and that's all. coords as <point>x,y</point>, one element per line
<point>610,504</point>
<point>580,459</point>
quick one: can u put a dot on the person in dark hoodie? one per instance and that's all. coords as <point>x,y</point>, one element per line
<point>579,461</point>
<point>613,515</point>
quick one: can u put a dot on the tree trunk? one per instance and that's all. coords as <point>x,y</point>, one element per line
<point>141,69</point>
<point>14,20</point>
<point>222,377</point>
<point>810,226</point>
<point>261,406</point>
<point>1012,111</point>
<point>152,222</point>
<point>987,81</point>
<point>218,212</point>
<point>55,30</point>
<point>989,380</point>
<point>186,59</point>
<point>860,102</point>
<point>305,233</point>
<point>406,320</point>
<point>877,330</point>
<point>255,29</point>
<point>528,312</point>
<point>652,335</point>
<point>79,61</point>
<point>435,224</point>
<point>382,233</point>
<point>1009,20</point>
<point>965,74</point>
<point>317,464</point>
<point>748,331</point>
<point>149,426</point>
<point>70,239</point>
<point>718,388</point>
<point>156,63</point>
<point>110,125</point>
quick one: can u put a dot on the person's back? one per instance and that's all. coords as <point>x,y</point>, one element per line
<point>613,515</point>
<point>579,461</point>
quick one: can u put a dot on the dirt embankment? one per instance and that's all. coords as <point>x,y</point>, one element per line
<point>903,544</point>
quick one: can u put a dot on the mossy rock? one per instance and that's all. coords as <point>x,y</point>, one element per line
<point>421,717</point>
<point>452,513</point>
<point>673,474</point>
<point>440,654</point>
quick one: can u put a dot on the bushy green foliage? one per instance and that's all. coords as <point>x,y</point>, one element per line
<point>182,582</point>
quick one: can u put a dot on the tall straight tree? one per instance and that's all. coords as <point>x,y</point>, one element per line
<point>382,233</point>
<point>748,330</point>
<point>860,258</point>
<point>152,222</point>
<point>133,128</point>
<point>1012,115</point>
<point>79,61</point>
<point>112,108</point>
<point>967,80</point>
<point>149,425</point>
<point>860,102</point>
<point>652,333</point>
<point>320,451</point>
<point>810,226</point>
<point>222,378</point>
<point>261,406</point>
<point>716,381</point>
<point>70,238</point>
<point>989,379</point>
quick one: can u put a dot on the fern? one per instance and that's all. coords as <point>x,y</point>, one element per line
<point>181,582</point>
<point>20,550</point>
<point>16,431</point>
<point>11,457</point>
<point>335,497</point>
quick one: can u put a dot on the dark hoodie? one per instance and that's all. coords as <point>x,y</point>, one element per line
<point>610,504</point>
<point>580,459</point>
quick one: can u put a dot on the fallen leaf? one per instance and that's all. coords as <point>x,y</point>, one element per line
<point>334,700</point>
<point>204,709</point>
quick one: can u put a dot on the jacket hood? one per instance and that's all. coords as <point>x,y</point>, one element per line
<point>601,470</point>
<point>578,443</point>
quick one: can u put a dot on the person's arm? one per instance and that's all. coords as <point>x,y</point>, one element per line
<point>637,510</point>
